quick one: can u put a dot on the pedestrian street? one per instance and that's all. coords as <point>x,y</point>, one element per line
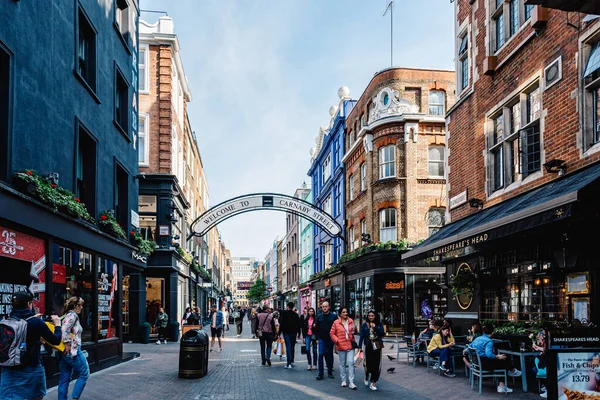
<point>237,373</point>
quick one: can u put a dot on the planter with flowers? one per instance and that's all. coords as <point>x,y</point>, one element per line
<point>109,224</point>
<point>49,193</point>
<point>145,247</point>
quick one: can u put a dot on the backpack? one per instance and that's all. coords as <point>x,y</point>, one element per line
<point>235,315</point>
<point>13,345</point>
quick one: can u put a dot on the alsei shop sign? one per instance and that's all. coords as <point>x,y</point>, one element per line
<point>461,244</point>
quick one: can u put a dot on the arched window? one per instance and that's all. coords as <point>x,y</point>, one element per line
<point>436,102</point>
<point>436,161</point>
<point>387,225</point>
<point>387,161</point>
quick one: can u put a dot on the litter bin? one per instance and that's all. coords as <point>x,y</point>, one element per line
<point>193,354</point>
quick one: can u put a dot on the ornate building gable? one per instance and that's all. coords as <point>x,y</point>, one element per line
<point>386,104</point>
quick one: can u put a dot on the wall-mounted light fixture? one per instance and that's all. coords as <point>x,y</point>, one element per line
<point>172,218</point>
<point>556,166</point>
<point>365,237</point>
<point>476,203</point>
<point>176,237</point>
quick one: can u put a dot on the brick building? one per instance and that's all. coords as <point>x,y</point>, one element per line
<point>522,165</point>
<point>395,181</point>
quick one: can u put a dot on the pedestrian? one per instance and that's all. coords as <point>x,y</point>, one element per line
<point>216,327</point>
<point>342,335</point>
<point>322,331</point>
<point>308,332</point>
<point>186,315</point>
<point>289,326</point>
<point>441,346</point>
<point>225,320</point>
<point>238,318</point>
<point>371,335</point>
<point>491,361</point>
<point>253,322</point>
<point>28,380</point>
<point>162,321</point>
<point>265,332</point>
<point>73,359</point>
<point>194,317</point>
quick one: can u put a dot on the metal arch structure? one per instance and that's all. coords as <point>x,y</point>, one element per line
<point>264,201</point>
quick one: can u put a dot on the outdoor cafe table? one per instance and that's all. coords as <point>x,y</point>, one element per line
<point>521,355</point>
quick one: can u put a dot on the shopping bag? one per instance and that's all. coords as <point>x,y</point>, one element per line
<point>358,358</point>
<point>279,349</point>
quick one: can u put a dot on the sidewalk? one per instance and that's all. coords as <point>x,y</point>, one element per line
<point>237,374</point>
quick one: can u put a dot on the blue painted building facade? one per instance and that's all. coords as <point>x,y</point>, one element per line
<point>68,111</point>
<point>328,188</point>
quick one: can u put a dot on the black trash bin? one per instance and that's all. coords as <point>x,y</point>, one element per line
<point>193,354</point>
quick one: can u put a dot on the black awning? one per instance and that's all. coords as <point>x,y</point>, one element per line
<point>582,6</point>
<point>545,204</point>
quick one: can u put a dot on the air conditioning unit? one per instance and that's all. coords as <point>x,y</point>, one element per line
<point>553,73</point>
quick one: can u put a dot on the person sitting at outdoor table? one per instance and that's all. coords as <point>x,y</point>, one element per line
<point>427,333</point>
<point>541,359</point>
<point>474,333</point>
<point>440,346</point>
<point>490,361</point>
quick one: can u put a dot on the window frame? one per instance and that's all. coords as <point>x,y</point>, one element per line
<point>144,66</point>
<point>122,24</point>
<point>384,219</point>
<point>436,162</point>
<point>119,97</point>
<point>351,187</point>
<point>383,162</point>
<point>6,113</point>
<point>437,106</point>
<point>363,177</point>
<point>463,61</point>
<point>591,87</point>
<point>80,128</point>
<point>145,134</point>
<point>514,15</point>
<point>90,80</point>
<point>326,168</point>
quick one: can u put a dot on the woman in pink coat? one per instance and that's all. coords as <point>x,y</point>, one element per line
<point>342,335</point>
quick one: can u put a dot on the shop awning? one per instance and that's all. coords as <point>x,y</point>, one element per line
<point>548,203</point>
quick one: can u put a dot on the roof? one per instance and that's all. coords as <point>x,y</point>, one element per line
<point>561,191</point>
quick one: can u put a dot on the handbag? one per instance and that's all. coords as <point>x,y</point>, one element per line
<point>354,344</point>
<point>302,349</point>
<point>259,329</point>
<point>359,358</point>
<point>377,345</point>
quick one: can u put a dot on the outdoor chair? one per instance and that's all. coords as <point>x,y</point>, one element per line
<point>399,349</point>
<point>540,375</point>
<point>434,360</point>
<point>412,350</point>
<point>476,370</point>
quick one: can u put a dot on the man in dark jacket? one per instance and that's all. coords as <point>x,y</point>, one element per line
<point>289,326</point>
<point>238,317</point>
<point>324,322</point>
<point>29,381</point>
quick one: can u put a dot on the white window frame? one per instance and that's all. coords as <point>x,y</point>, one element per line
<point>431,161</point>
<point>351,187</point>
<point>388,231</point>
<point>385,159</point>
<point>436,106</point>
<point>326,168</point>
<point>144,66</point>
<point>363,177</point>
<point>351,239</point>
<point>146,137</point>
<point>463,67</point>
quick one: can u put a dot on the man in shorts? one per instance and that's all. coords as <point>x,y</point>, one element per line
<point>216,327</point>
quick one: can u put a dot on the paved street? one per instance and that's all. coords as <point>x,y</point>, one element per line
<point>236,373</point>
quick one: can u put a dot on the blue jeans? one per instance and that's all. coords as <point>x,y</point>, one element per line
<point>69,364</point>
<point>23,383</point>
<point>310,342</point>
<point>290,342</point>
<point>326,350</point>
<point>444,356</point>
<point>266,346</point>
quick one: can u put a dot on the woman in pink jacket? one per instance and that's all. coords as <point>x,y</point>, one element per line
<point>342,335</point>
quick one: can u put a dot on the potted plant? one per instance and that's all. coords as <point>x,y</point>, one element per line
<point>145,247</point>
<point>145,333</point>
<point>463,283</point>
<point>174,330</point>
<point>109,224</point>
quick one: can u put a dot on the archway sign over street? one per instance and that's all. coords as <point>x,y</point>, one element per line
<point>264,201</point>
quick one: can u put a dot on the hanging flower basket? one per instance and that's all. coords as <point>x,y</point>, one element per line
<point>109,224</point>
<point>145,247</point>
<point>463,285</point>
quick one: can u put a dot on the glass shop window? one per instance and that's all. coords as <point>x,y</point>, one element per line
<point>108,310</point>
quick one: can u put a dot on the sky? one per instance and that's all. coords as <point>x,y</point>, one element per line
<point>264,73</point>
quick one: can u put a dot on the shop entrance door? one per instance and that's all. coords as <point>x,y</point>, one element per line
<point>393,312</point>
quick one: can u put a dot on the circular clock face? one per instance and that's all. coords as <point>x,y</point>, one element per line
<point>552,73</point>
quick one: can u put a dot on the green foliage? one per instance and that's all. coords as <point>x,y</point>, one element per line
<point>186,256</point>
<point>325,272</point>
<point>109,224</point>
<point>144,246</point>
<point>400,246</point>
<point>463,283</point>
<point>52,195</point>
<point>200,270</point>
<point>303,285</point>
<point>257,291</point>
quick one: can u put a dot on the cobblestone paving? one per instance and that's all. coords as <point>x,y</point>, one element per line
<point>237,374</point>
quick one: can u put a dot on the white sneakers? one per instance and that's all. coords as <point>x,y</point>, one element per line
<point>220,349</point>
<point>158,342</point>
<point>515,373</point>
<point>372,387</point>
<point>504,389</point>
<point>164,341</point>
<point>344,384</point>
<point>544,395</point>
<point>366,382</point>
<point>352,386</point>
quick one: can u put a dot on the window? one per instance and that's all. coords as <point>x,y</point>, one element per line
<point>351,187</point>
<point>507,17</point>
<point>363,228</point>
<point>463,59</point>
<point>436,102</point>
<point>387,162</point>
<point>528,10</point>
<point>514,144</point>
<point>108,310</point>
<point>351,239</point>
<point>591,82</point>
<point>85,174</point>
<point>363,177</point>
<point>435,219</point>
<point>122,197</point>
<point>122,19</point>
<point>363,120</point>
<point>499,22</point>
<point>121,102</point>
<point>327,205</point>
<point>5,78</point>
<point>436,161</point>
<point>143,146</point>
<point>143,69</point>
<point>514,16</point>
<point>86,50</point>
<point>352,137</point>
<point>326,169</point>
<point>387,225</point>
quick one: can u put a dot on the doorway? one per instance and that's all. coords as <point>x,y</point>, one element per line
<point>393,312</point>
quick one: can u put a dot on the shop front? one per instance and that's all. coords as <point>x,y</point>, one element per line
<point>305,298</point>
<point>524,264</point>
<point>329,289</point>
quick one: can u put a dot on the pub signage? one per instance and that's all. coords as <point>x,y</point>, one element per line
<point>458,200</point>
<point>476,239</point>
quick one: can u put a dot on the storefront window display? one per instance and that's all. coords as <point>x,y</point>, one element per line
<point>430,299</point>
<point>391,291</point>
<point>360,295</point>
<point>323,295</point>
<point>336,298</point>
<point>107,292</point>
<point>72,276</point>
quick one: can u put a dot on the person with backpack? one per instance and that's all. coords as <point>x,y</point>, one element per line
<point>238,317</point>
<point>73,358</point>
<point>23,375</point>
